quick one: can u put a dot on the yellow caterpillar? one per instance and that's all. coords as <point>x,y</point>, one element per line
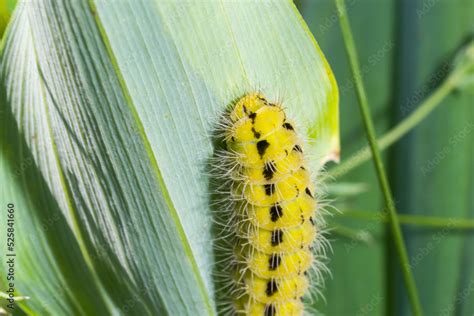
<point>272,210</point>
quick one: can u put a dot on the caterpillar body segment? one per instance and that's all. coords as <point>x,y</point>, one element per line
<point>271,224</point>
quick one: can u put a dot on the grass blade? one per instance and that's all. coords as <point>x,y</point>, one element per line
<point>365,112</point>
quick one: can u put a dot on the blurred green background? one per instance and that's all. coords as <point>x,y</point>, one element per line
<point>404,50</point>
<point>6,8</point>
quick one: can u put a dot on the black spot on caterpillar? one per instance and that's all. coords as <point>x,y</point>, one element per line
<point>268,170</point>
<point>270,310</point>
<point>274,261</point>
<point>269,189</point>
<point>298,149</point>
<point>272,287</point>
<point>288,126</point>
<point>255,133</point>
<point>262,147</point>
<point>252,116</point>
<point>276,212</point>
<point>308,192</point>
<point>277,237</point>
<point>263,100</point>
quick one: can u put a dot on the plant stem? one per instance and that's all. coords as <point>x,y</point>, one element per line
<point>422,111</point>
<point>416,220</point>
<point>370,131</point>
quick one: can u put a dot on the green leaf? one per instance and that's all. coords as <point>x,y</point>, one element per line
<point>111,106</point>
<point>6,9</point>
